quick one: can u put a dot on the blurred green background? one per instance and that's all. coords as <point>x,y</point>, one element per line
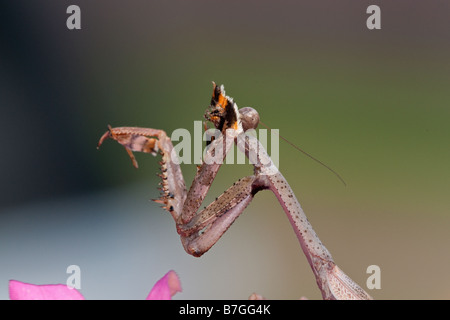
<point>373,105</point>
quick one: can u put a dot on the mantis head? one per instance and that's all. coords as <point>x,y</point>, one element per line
<point>224,113</point>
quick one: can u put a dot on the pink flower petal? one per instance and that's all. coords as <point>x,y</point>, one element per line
<point>166,287</point>
<point>26,291</point>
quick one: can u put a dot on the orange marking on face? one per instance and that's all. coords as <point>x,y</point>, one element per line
<point>222,101</point>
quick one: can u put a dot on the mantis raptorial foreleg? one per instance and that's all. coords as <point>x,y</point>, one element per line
<point>200,230</point>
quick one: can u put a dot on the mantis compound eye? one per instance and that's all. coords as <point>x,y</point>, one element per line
<point>249,118</point>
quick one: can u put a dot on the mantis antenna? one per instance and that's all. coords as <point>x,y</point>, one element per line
<point>308,155</point>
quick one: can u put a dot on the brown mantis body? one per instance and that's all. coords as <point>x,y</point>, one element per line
<point>199,231</point>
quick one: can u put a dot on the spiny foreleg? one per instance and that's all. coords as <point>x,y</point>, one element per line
<point>198,230</point>
<point>154,141</point>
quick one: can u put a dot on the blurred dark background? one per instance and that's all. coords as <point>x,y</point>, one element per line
<point>374,105</point>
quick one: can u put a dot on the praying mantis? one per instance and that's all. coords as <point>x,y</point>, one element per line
<point>200,230</point>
